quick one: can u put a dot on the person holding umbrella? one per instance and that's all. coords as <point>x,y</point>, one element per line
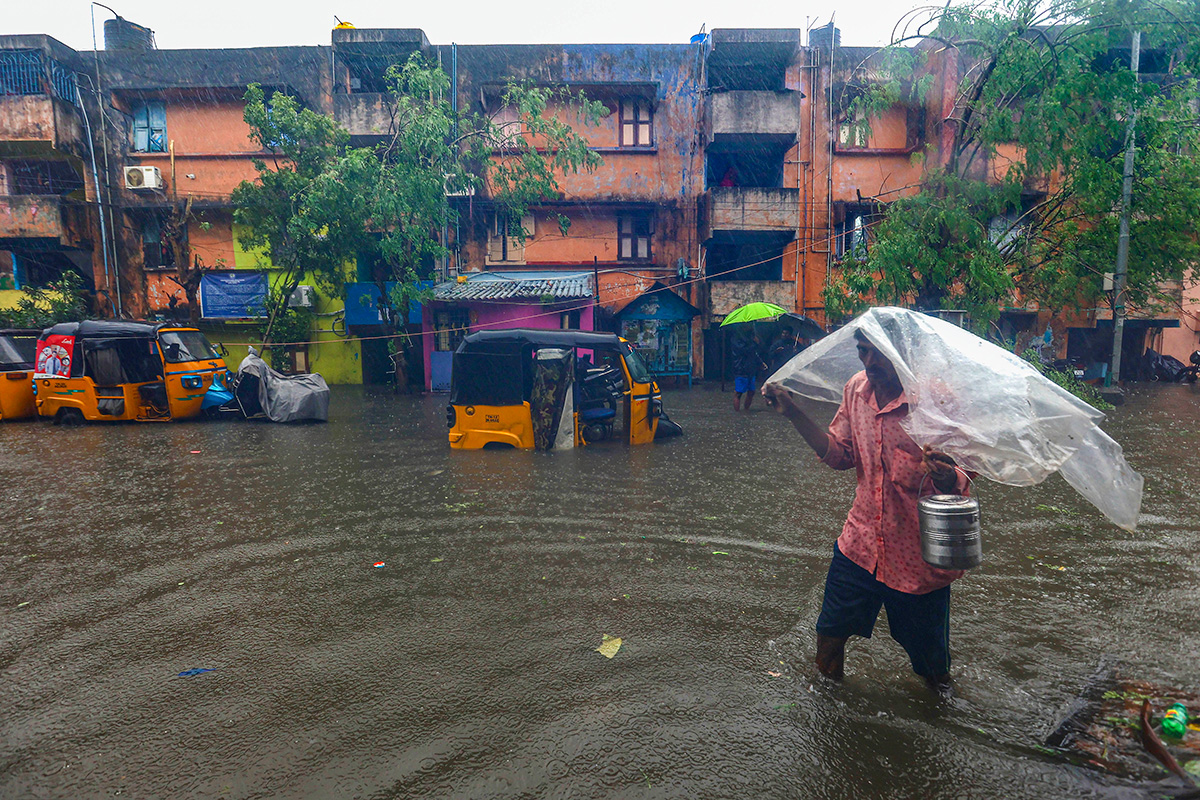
<point>785,346</point>
<point>747,348</point>
<point>747,361</point>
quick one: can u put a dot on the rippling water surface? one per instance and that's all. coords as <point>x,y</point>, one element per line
<point>466,666</point>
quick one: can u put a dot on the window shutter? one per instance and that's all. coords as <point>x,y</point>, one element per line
<point>158,127</point>
<point>141,128</point>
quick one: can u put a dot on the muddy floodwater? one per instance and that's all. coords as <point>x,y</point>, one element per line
<point>466,665</point>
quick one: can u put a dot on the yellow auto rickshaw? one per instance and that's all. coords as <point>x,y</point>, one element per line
<point>18,348</point>
<point>551,389</point>
<point>110,370</point>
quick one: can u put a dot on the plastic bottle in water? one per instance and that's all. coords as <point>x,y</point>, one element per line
<point>1174,722</point>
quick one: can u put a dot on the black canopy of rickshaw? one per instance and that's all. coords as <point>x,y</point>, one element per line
<point>109,329</point>
<point>493,368</point>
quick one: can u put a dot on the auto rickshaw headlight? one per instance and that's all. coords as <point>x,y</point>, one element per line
<point>451,416</point>
<point>656,407</point>
<point>192,381</point>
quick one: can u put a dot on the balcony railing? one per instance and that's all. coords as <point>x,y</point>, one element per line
<point>26,72</point>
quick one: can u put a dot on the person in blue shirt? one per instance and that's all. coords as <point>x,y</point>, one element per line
<point>747,361</point>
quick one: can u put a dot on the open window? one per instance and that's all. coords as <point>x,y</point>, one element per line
<point>853,230</point>
<point>507,237</point>
<point>150,127</point>
<point>156,251</point>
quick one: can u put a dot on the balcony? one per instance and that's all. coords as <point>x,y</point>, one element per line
<point>38,112</point>
<point>33,125</point>
<point>735,208</point>
<point>744,114</point>
<point>362,114</point>
<point>26,219</point>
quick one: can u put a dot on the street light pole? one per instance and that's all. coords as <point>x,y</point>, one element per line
<point>1114,375</point>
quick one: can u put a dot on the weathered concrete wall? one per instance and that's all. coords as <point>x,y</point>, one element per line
<point>33,125</point>
<point>303,71</point>
<point>725,296</point>
<point>37,217</point>
<point>746,112</point>
<point>746,209</point>
<point>362,114</point>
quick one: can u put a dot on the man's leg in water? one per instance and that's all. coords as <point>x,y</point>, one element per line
<point>920,623</point>
<point>849,608</point>
<point>831,656</point>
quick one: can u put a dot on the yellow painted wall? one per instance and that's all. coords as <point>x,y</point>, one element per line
<point>338,360</point>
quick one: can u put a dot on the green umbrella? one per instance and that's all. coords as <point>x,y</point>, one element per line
<point>752,312</point>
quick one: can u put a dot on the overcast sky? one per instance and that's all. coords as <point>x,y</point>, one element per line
<point>246,23</point>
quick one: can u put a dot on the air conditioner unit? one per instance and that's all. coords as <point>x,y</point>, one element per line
<point>303,297</point>
<point>143,178</point>
<point>454,190</point>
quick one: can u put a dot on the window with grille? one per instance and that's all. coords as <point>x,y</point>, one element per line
<point>637,123</point>
<point>150,128</point>
<point>450,328</point>
<point>634,233</point>
<point>853,234</point>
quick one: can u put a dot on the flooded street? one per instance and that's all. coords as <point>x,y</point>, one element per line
<point>465,667</point>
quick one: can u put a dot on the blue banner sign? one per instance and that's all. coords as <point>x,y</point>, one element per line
<point>233,295</point>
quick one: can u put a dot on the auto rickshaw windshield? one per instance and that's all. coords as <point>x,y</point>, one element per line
<point>638,371</point>
<point>181,346</point>
<point>17,352</point>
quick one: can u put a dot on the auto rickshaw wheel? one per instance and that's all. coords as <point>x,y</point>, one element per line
<point>69,417</point>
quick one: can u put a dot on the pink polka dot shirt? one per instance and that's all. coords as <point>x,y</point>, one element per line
<point>881,533</point>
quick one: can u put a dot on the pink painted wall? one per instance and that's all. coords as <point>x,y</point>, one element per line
<point>502,316</point>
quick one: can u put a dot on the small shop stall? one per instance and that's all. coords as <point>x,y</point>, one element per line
<point>658,324</point>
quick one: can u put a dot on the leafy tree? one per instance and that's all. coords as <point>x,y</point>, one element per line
<point>62,300</point>
<point>1022,203</point>
<point>322,203</point>
<point>310,206</point>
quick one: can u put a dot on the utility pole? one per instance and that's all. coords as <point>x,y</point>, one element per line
<point>1114,375</point>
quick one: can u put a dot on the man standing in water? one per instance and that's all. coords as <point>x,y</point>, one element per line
<point>747,361</point>
<point>877,559</point>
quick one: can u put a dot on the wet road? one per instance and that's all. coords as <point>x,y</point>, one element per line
<point>465,667</point>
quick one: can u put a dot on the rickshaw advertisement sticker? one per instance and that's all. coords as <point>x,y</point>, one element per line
<point>54,355</point>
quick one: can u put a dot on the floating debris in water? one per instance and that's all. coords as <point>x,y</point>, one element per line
<point>188,673</point>
<point>377,564</point>
<point>609,645</point>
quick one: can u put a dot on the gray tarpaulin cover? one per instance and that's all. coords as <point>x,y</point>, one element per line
<point>287,398</point>
<point>979,403</point>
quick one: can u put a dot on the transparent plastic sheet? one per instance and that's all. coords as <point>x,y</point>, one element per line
<point>986,407</point>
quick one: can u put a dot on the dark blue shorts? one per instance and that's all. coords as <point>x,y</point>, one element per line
<point>743,383</point>
<point>919,622</point>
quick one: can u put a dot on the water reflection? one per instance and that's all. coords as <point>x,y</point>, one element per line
<point>465,667</point>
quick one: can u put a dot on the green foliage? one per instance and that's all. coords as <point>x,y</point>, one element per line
<point>1022,205</point>
<point>62,300</point>
<point>321,203</point>
<point>1067,380</point>
<point>290,325</point>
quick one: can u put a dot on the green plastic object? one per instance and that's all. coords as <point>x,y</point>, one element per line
<point>1174,722</point>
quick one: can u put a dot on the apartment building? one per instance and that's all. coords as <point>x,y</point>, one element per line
<point>732,173</point>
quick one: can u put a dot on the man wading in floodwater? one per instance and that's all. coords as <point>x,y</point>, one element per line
<point>877,559</point>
